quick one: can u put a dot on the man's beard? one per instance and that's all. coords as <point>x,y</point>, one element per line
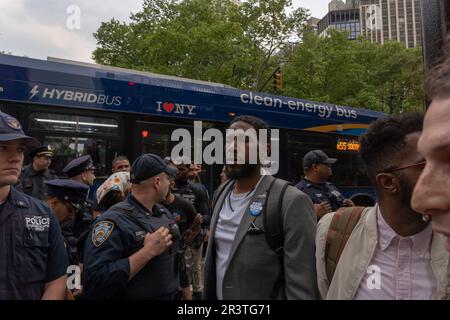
<point>241,171</point>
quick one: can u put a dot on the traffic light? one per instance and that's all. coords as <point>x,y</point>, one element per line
<point>278,81</point>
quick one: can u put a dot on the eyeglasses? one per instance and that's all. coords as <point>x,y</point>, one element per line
<point>419,165</point>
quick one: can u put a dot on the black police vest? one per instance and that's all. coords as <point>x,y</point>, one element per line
<point>322,192</point>
<point>159,279</point>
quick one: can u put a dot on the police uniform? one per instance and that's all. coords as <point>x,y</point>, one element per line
<point>320,192</point>
<point>73,193</point>
<point>118,234</point>
<point>31,182</point>
<point>73,229</point>
<point>31,245</point>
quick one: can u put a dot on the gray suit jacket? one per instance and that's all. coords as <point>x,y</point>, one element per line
<point>253,267</point>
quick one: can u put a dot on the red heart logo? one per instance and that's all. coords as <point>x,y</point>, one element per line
<point>168,107</point>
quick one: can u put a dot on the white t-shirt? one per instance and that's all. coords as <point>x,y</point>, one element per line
<point>230,217</point>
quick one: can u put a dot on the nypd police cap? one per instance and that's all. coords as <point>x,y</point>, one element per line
<point>149,165</point>
<point>317,156</point>
<point>78,166</point>
<point>11,129</point>
<point>42,151</point>
<point>74,192</point>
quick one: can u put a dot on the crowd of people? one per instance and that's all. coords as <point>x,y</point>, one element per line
<point>141,235</point>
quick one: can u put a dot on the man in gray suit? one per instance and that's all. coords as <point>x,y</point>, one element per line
<point>240,263</point>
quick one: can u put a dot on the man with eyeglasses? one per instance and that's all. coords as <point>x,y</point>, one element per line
<point>392,252</point>
<point>325,195</point>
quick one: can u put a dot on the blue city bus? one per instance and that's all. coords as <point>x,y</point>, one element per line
<point>80,108</point>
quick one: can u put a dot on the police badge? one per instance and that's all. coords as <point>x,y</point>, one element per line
<point>13,123</point>
<point>102,231</point>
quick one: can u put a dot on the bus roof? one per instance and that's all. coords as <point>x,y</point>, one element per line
<point>74,84</point>
<point>135,75</point>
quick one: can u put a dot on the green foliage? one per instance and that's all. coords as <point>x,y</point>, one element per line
<point>357,73</point>
<point>213,40</point>
<point>241,45</point>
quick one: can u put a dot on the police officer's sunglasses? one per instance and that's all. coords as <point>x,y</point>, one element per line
<point>419,165</point>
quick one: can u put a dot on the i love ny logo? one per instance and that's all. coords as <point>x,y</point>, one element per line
<point>178,108</point>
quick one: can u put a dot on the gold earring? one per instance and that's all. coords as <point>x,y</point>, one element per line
<point>426,218</point>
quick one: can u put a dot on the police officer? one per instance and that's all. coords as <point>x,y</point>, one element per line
<point>81,170</point>
<point>33,260</point>
<point>65,198</point>
<point>129,252</point>
<point>325,195</point>
<point>33,175</point>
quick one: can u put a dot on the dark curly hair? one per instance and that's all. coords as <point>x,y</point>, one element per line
<point>255,122</point>
<point>383,144</point>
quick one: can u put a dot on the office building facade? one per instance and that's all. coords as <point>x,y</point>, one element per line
<point>398,20</point>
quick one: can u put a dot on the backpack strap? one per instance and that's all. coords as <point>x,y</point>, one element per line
<point>341,227</point>
<point>273,225</point>
<point>273,218</point>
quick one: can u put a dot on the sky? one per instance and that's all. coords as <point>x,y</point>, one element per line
<point>63,28</point>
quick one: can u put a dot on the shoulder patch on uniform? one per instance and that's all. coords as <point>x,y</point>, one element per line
<point>101,232</point>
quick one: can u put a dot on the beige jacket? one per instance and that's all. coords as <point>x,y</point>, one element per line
<point>358,253</point>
